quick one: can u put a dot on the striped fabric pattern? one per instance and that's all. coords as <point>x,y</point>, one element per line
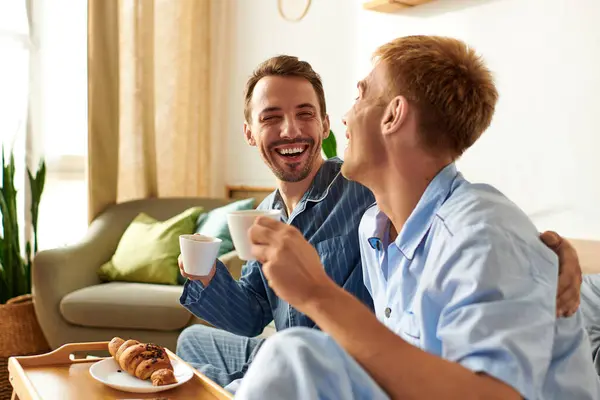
<point>328,216</point>
<point>222,356</point>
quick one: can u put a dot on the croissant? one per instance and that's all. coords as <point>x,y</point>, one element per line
<point>143,360</point>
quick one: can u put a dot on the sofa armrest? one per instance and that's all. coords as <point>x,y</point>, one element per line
<point>233,263</point>
<point>60,271</point>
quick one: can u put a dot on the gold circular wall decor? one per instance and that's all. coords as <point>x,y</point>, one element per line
<point>293,19</point>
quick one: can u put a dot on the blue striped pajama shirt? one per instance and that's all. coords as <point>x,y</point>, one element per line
<point>328,216</point>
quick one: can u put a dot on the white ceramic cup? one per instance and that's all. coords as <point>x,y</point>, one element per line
<point>239,224</point>
<point>199,253</point>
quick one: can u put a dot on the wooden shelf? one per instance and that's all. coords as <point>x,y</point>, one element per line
<point>391,6</point>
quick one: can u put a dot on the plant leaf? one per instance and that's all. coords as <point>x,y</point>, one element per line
<point>36,185</point>
<point>4,287</point>
<point>27,269</point>
<point>8,270</point>
<point>15,271</point>
<point>329,146</point>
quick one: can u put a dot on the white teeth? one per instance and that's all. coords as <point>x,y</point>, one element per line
<point>294,150</point>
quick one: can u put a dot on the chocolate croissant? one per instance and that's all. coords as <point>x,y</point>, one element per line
<point>143,360</point>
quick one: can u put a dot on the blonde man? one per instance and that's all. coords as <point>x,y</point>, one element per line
<point>462,287</point>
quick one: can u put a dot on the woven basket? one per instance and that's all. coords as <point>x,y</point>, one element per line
<point>20,334</point>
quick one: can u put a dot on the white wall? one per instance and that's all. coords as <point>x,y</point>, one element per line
<point>542,149</point>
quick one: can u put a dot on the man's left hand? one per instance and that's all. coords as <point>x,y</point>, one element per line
<point>569,278</point>
<point>290,264</point>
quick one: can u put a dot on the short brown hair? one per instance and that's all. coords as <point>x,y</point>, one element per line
<point>452,89</point>
<point>286,66</point>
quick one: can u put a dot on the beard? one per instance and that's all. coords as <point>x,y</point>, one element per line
<point>291,171</point>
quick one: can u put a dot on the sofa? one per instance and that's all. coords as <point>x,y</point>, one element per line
<point>71,303</point>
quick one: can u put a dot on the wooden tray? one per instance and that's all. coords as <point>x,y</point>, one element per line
<point>59,376</point>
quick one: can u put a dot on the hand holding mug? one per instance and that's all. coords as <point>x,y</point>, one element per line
<point>291,265</point>
<point>198,256</point>
<point>239,223</point>
<point>195,277</point>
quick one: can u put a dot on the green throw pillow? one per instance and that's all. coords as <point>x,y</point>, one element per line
<point>148,250</point>
<point>214,223</point>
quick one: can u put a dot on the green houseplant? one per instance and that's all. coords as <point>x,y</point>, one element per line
<point>15,270</point>
<point>20,332</point>
<point>329,146</point>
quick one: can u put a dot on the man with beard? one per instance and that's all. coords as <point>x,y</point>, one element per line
<point>462,286</point>
<point>286,119</point>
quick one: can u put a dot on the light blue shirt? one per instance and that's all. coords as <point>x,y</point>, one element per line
<point>468,279</point>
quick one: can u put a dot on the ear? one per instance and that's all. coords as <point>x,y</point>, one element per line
<point>395,115</point>
<point>248,134</point>
<point>326,127</point>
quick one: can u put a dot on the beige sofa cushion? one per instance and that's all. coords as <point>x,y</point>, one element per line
<point>126,305</point>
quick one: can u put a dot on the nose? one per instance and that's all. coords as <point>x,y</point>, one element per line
<point>290,129</point>
<point>344,121</point>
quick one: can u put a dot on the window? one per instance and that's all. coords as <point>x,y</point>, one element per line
<point>14,71</point>
<point>46,76</point>
<point>63,67</point>
<point>14,81</point>
<point>63,120</point>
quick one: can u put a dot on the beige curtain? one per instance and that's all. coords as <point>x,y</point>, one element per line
<point>156,69</point>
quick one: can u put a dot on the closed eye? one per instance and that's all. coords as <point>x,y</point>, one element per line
<point>270,117</point>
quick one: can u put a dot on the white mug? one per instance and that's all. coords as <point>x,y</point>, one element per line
<point>199,253</point>
<point>239,224</point>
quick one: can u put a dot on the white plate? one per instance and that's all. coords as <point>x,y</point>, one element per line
<point>106,371</point>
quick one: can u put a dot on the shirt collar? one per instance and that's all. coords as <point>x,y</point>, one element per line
<point>319,187</point>
<point>420,220</point>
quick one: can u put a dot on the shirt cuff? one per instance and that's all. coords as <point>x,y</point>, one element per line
<point>193,291</point>
<point>504,372</point>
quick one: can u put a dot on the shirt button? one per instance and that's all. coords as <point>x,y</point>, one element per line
<point>388,312</point>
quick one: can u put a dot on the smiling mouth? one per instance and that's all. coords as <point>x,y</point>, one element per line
<point>292,151</point>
